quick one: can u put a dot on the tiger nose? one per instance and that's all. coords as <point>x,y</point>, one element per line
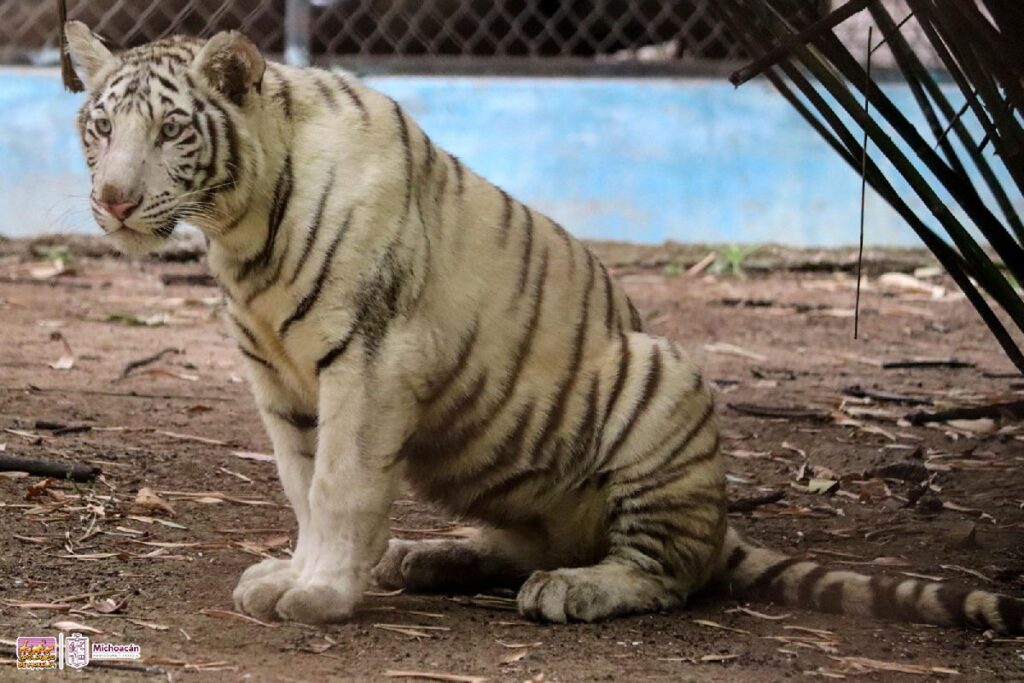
<point>119,210</point>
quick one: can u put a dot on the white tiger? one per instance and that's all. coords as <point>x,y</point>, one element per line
<point>405,320</point>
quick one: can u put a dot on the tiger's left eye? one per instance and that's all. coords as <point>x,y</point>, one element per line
<point>170,130</point>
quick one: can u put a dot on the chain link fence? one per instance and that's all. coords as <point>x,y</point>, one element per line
<point>410,34</point>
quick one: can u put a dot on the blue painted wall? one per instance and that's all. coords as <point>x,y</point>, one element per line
<point>641,160</point>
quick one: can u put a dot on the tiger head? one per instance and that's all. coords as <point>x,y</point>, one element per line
<point>165,130</point>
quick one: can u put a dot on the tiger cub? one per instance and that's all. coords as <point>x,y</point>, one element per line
<point>404,320</point>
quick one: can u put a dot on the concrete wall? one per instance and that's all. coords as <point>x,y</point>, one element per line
<point>640,160</point>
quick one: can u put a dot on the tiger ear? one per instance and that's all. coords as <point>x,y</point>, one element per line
<point>87,52</point>
<point>232,64</point>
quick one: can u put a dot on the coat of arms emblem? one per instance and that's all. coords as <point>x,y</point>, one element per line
<point>76,651</point>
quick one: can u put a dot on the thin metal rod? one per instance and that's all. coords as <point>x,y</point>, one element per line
<point>296,32</point>
<point>863,185</point>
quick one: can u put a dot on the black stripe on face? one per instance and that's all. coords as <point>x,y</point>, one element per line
<point>524,268</point>
<point>169,85</point>
<point>314,229</point>
<point>311,297</point>
<point>231,156</point>
<point>350,92</point>
<point>282,195</point>
<point>403,135</point>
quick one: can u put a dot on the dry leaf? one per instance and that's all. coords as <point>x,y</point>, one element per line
<point>150,625</point>
<point>75,626</point>
<point>66,361</point>
<point>108,606</point>
<point>148,500</point>
<point>822,487</point>
<point>249,455</point>
<point>733,350</point>
<point>514,657</point>
<point>984,425</point>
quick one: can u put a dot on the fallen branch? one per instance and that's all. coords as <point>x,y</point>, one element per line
<point>950,363</point>
<point>782,412</point>
<point>142,362</point>
<point>1009,410</point>
<point>48,468</point>
<point>747,504</point>
<point>782,51</point>
<point>193,279</point>
<point>858,391</point>
<point>120,394</point>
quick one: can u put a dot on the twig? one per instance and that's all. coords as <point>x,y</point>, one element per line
<point>858,391</point>
<point>783,412</point>
<point>122,394</point>
<point>48,468</point>
<point>951,363</point>
<point>142,362</point>
<point>747,504</point>
<point>821,26</point>
<point>126,666</point>
<point>193,279</point>
<point>1011,409</point>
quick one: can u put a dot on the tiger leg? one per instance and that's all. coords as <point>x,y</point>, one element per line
<point>355,478</point>
<point>490,558</point>
<point>665,497</point>
<point>293,434</point>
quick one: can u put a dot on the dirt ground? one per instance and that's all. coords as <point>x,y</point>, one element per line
<point>185,428</point>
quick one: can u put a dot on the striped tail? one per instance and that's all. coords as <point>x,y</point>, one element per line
<point>747,571</point>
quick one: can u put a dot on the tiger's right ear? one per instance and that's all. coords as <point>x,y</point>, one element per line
<point>88,52</point>
<point>232,64</point>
